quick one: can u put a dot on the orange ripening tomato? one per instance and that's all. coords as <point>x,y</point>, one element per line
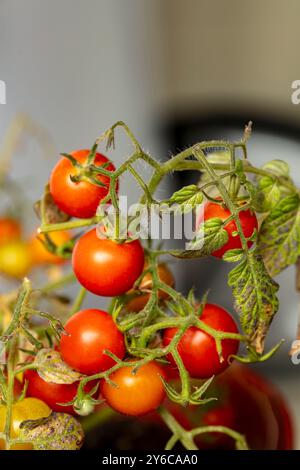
<point>137,393</point>
<point>40,254</point>
<point>10,230</point>
<point>79,199</point>
<point>137,303</point>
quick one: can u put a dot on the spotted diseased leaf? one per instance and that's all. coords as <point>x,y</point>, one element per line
<point>52,368</point>
<point>59,431</point>
<point>233,256</point>
<point>210,236</point>
<point>279,236</point>
<point>255,297</point>
<point>48,211</point>
<point>187,198</point>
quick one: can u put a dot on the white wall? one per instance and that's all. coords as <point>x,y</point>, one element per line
<point>77,66</point>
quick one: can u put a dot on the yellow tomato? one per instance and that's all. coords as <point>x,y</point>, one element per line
<point>41,255</point>
<point>15,258</point>
<point>27,409</point>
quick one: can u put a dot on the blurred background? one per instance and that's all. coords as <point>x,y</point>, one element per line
<point>176,72</point>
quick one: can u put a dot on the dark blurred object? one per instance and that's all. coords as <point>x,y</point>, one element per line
<point>246,402</point>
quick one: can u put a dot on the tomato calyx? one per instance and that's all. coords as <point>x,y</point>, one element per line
<point>87,171</point>
<point>63,251</point>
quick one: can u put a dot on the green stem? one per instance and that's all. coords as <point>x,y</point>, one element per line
<point>224,193</point>
<point>239,438</point>
<point>12,334</point>
<point>45,228</point>
<point>12,351</point>
<point>179,433</point>
<point>78,301</point>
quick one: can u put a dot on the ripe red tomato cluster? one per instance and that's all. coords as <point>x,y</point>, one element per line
<point>108,268</point>
<point>102,266</point>
<point>90,334</point>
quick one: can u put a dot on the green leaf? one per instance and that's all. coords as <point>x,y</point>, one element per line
<point>279,236</point>
<point>271,189</point>
<point>57,432</point>
<point>187,198</point>
<point>232,256</point>
<point>257,196</point>
<point>210,237</point>
<point>52,368</point>
<point>278,168</point>
<point>255,297</point>
<point>271,192</point>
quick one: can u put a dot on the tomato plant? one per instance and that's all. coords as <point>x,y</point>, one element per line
<point>248,223</point>
<point>135,393</point>
<point>90,333</point>
<point>76,189</point>
<point>29,408</point>
<point>105,267</point>
<point>55,395</point>
<point>138,300</point>
<point>151,333</point>
<point>197,348</point>
<point>39,252</point>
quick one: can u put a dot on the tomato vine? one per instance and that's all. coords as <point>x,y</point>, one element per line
<point>259,257</point>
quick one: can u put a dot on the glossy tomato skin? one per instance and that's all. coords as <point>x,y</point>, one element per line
<point>78,199</point>
<point>248,222</point>
<point>197,348</point>
<point>137,303</point>
<point>52,393</point>
<point>135,394</point>
<point>10,229</point>
<point>27,409</point>
<point>90,333</point>
<point>105,267</point>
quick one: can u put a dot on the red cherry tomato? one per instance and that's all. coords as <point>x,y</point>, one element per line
<point>248,222</point>
<point>105,267</point>
<point>53,393</point>
<point>198,349</point>
<point>135,394</point>
<point>78,199</point>
<point>90,333</point>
